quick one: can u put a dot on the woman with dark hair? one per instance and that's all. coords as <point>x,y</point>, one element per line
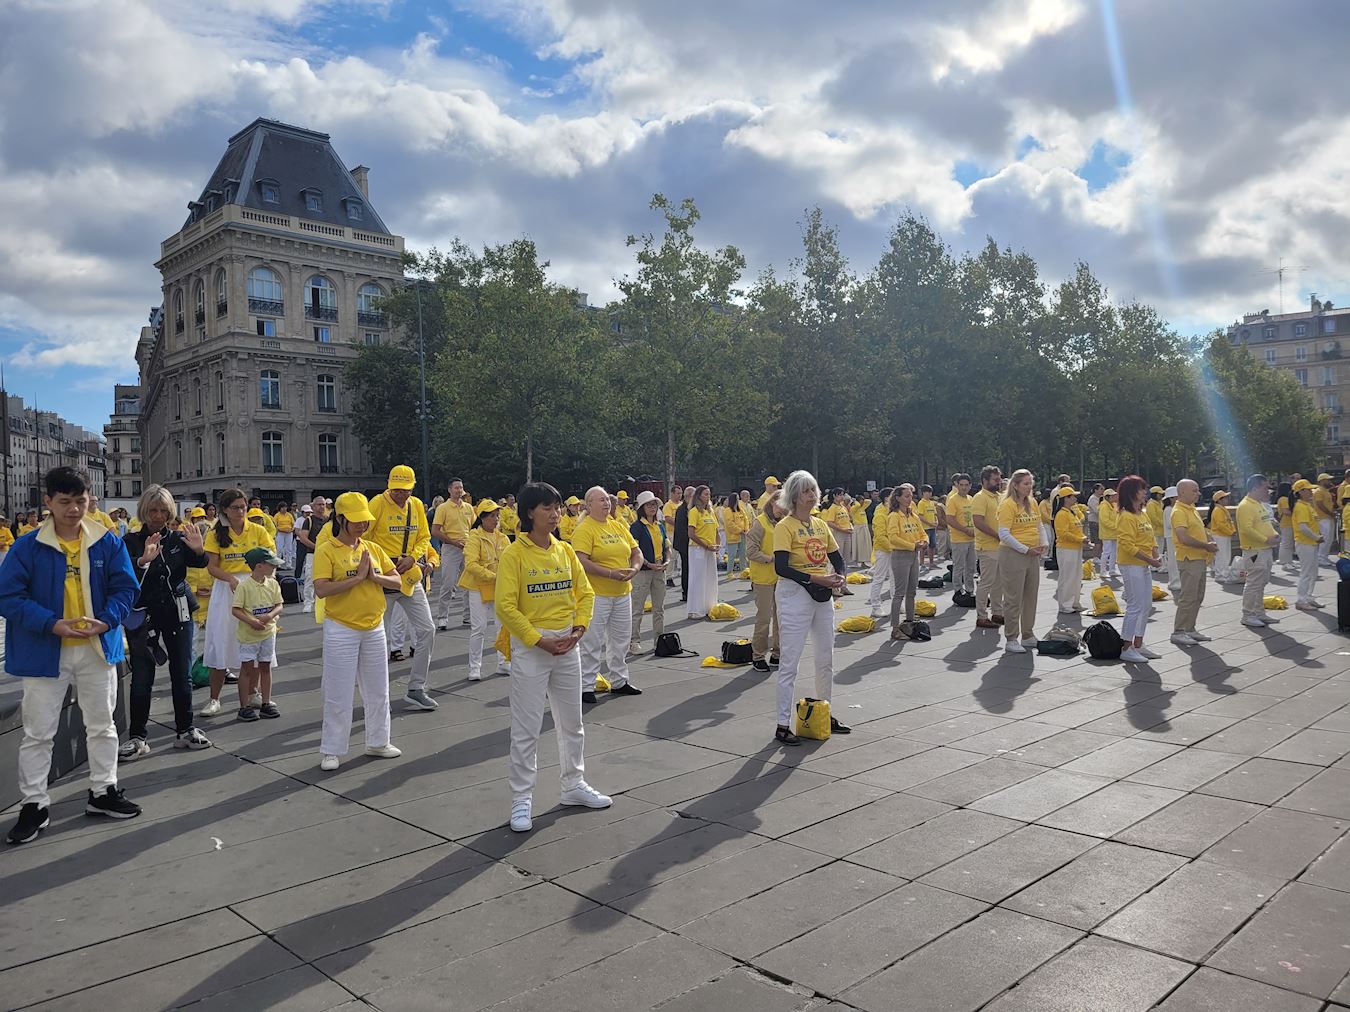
<point>1070,542</point>
<point>482,550</point>
<point>545,600</point>
<point>703,535</point>
<point>649,582</point>
<point>1284,511</point>
<point>682,539</point>
<point>1137,553</point>
<point>881,545</point>
<point>840,522</point>
<point>225,546</point>
<point>904,535</point>
<point>1022,543</point>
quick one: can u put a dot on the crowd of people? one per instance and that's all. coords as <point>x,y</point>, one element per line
<point>567,582</point>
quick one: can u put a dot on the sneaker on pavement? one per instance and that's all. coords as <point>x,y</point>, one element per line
<point>1253,623</point>
<point>520,816</point>
<point>113,803</point>
<point>589,698</point>
<point>383,751</point>
<point>838,728</point>
<point>635,647</point>
<point>211,708</point>
<point>773,660</point>
<point>760,665</point>
<point>1013,647</point>
<point>785,735</point>
<point>1029,641</point>
<point>585,796</point>
<point>1132,656</point>
<point>33,819</point>
<point>1199,637</point>
<point>985,623</point>
<point>626,689</point>
<point>1305,606</point>
<point>192,738</point>
<point>231,677</point>
<point>328,763</point>
<point>1269,619</point>
<point>1152,655</point>
<point>247,713</point>
<point>132,749</point>
<point>420,699</point>
<point>269,710</point>
<point>475,676</point>
<point>442,627</point>
<point>1183,640</point>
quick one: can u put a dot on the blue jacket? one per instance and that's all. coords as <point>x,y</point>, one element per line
<point>32,596</point>
<point>644,539</point>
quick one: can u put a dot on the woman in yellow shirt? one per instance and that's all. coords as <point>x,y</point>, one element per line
<point>226,544</point>
<point>1070,543</point>
<point>1307,542</point>
<point>1284,510</point>
<point>702,554</point>
<point>1222,530</point>
<point>862,534</point>
<point>736,522</point>
<point>26,523</point>
<point>1108,523</point>
<point>545,601</point>
<point>1022,543</point>
<point>840,522</point>
<point>351,576</point>
<point>881,548</point>
<point>6,538</point>
<point>1138,551</point>
<point>567,523</point>
<point>482,549</point>
<point>906,537</point>
<point>1046,508</point>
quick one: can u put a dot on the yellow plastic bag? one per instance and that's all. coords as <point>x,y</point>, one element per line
<point>924,608</point>
<point>813,718</point>
<point>503,643</point>
<point>857,624</point>
<point>1087,569</point>
<point>1159,594</point>
<point>856,578</point>
<point>723,612</point>
<point>647,606</point>
<point>742,574</point>
<point>717,662</point>
<point>1104,601</point>
<point>1274,602</point>
<point>602,684</point>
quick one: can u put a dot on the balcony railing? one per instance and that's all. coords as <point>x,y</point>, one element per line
<point>265,307</point>
<point>328,469</point>
<point>222,308</point>
<point>370,317</point>
<point>1328,353</point>
<point>321,313</point>
<point>199,316</point>
<point>272,469</point>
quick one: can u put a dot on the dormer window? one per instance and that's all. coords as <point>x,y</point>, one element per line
<point>269,191</point>
<point>356,211</point>
<point>313,199</point>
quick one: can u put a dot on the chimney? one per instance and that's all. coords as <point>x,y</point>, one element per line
<point>362,176</point>
<point>1316,306</point>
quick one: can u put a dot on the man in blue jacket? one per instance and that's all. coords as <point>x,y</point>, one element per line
<point>64,590</point>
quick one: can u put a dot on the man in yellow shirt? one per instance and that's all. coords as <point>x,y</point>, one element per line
<point>1194,549</point>
<point>95,513</point>
<point>626,513</point>
<point>961,530</point>
<point>509,524</point>
<point>257,515</point>
<point>451,526</point>
<point>771,487</point>
<point>611,558</point>
<point>927,510</point>
<point>1154,512</point>
<point>1258,535</point>
<point>1324,504</point>
<point>984,518</point>
<point>284,520</point>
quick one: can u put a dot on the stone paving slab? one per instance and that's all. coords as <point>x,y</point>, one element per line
<point>999,832</point>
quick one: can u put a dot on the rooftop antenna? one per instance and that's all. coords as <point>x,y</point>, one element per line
<point>1279,273</point>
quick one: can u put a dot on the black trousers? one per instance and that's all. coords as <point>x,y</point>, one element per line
<point>177,643</point>
<point>684,572</point>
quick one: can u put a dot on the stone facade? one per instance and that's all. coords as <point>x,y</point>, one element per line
<point>122,439</point>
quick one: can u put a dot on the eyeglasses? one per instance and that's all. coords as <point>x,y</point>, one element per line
<point>237,506</point>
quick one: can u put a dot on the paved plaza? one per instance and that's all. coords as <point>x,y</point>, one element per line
<point>999,832</point>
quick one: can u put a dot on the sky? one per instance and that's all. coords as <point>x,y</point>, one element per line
<point>1180,149</point>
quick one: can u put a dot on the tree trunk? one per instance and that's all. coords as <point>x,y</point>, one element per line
<point>815,458</point>
<point>670,459</point>
<point>529,456</point>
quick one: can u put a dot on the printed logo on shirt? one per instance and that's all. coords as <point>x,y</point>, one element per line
<point>814,550</point>
<point>548,588</point>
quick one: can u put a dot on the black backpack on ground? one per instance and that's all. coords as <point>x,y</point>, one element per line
<point>932,583</point>
<point>1103,642</point>
<point>737,652</point>
<point>963,600</point>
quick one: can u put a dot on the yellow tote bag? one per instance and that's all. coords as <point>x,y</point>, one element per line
<point>1087,569</point>
<point>1104,601</point>
<point>813,718</point>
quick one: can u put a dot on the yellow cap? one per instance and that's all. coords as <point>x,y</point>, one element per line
<point>197,511</point>
<point>1221,494</point>
<point>1324,477</point>
<point>402,476</point>
<point>354,506</point>
<point>487,506</point>
<point>572,501</point>
<point>1065,492</point>
<point>771,480</point>
<point>623,494</point>
<point>1302,485</point>
<point>1109,491</point>
<point>1156,490</point>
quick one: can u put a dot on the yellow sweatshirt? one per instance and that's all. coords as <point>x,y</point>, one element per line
<point>541,588</point>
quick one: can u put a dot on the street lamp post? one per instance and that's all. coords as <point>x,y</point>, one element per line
<point>422,401</point>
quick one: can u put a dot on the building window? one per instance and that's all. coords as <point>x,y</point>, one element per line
<point>135,488</point>
<point>328,453</point>
<point>271,449</point>
<point>220,391</point>
<point>264,292</point>
<point>355,209</point>
<point>135,444</point>
<point>1328,375</point>
<point>1300,330</point>
<point>313,200</point>
<point>1246,334</point>
<point>1301,377</point>
<point>178,457</point>
<point>322,335</point>
<point>178,311</point>
<point>1331,400</point>
<point>1268,333</point>
<point>1333,433</point>
<point>267,328</point>
<point>135,465</point>
<point>1300,353</point>
<point>321,299</point>
<point>269,191</point>
<point>177,403</point>
<point>369,312</point>
<point>1329,325</point>
<point>222,294</point>
<point>199,303</point>
<point>117,489</point>
<point>220,453</point>
<point>327,392</point>
<point>197,396</point>
<point>1270,356</point>
<point>201,462</point>
<point>372,337</point>
<point>117,445</point>
<point>269,388</point>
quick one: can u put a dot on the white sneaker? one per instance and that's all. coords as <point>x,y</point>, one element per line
<point>1183,640</point>
<point>1253,623</point>
<point>1132,656</point>
<point>211,708</point>
<point>1199,637</point>
<point>328,763</point>
<point>586,796</point>
<point>635,647</point>
<point>1152,655</point>
<point>1013,647</point>
<point>1269,619</point>
<point>475,677</point>
<point>520,816</point>
<point>1029,641</point>
<point>383,751</point>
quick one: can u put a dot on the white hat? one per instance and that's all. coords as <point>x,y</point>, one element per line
<point>1171,492</point>
<point>306,508</point>
<point>646,496</point>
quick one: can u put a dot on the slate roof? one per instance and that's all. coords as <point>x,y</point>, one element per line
<point>296,159</point>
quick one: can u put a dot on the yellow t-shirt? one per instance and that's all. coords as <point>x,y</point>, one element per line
<point>881,542</point>
<point>984,504</point>
<point>266,523</point>
<point>763,573</point>
<point>737,522</point>
<point>6,538</point>
<point>285,522</point>
<point>567,526</point>
<point>837,516</point>
<point>361,607</point>
<point>1135,536</point>
<point>257,597</point>
<point>541,588</point>
<point>74,590</point>
<point>1322,502</point>
<point>232,555</point>
<point>26,529</point>
<point>669,509</point>
<point>608,544</point>
<point>1345,524</point>
<point>808,543</point>
<point>1046,513</point>
<point>105,520</point>
<point>1220,521</point>
<point>1068,529</point>
<point>455,519</point>
<point>962,507</point>
<point>858,513</point>
<point>509,524</point>
<point>391,522</point>
<point>1153,511</point>
<point>704,524</point>
<point>904,531</point>
<point>927,510</point>
<point>654,530</point>
<point>1108,520</point>
<point>1187,518</point>
<point>481,554</point>
<point>1023,524</point>
<point>1254,526</point>
<point>1305,519</point>
<point>1283,511</point>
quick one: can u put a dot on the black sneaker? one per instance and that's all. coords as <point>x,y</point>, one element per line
<point>760,664</point>
<point>231,677</point>
<point>247,713</point>
<point>838,728</point>
<point>588,697</point>
<point>785,735</point>
<point>626,689</point>
<point>395,656</point>
<point>269,710</point>
<point>32,821</point>
<point>773,660</point>
<point>113,803</point>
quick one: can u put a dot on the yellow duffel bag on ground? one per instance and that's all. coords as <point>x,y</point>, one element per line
<point>1104,601</point>
<point>857,624</point>
<point>813,718</point>
<point>723,612</point>
<point>925,608</point>
<point>1273,602</point>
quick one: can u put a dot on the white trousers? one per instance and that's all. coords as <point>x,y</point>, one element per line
<point>307,594</point>
<point>702,581</point>
<point>1286,546</point>
<point>1223,559</point>
<point>1307,573</point>
<point>1257,563</point>
<point>881,576</point>
<point>1138,601</point>
<point>1108,561</point>
<point>221,649</point>
<point>395,626</point>
<point>415,611</point>
<point>607,638</point>
<point>286,547</point>
<point>482,617</point>
<point>537,675</point>
<point>798,617</point>
<point>1069,590</point>
<point>1328,532</point>
<point>354,659</point>
<point>95,682</point>
<point>963,566</point>
<point>451,596</point>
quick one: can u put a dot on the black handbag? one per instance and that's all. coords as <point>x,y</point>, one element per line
<point>737,652</point>
<point>669,645</point>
